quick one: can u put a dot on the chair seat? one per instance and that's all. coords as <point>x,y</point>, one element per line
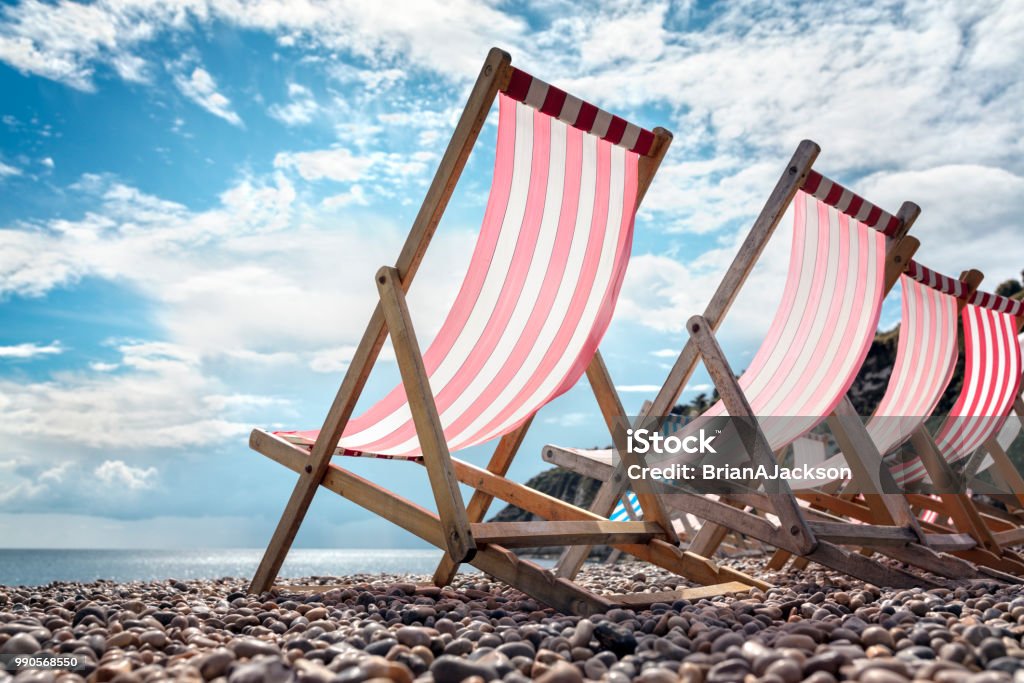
<point>307,439</point>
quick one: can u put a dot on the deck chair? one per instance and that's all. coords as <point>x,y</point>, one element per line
<point>537,298</point>
<point>926,358</point>
<point>847,253</point>
<point>925,361</point>
<point>991,388</point>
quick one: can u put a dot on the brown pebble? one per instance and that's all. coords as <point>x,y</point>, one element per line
<point>562,673</point>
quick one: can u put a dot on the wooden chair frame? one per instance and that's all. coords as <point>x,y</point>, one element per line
<point>457,528</point>
<point>811,534</point>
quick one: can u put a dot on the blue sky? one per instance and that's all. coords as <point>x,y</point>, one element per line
<point>194,197</point>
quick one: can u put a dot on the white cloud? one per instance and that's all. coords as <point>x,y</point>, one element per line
<point>201,88</point>
<point>6,170</point>
<point>665,353</point>
<point>338,164</point>
<point>332,360</point>
<point>354,196</point>
<point>30,350</point>
<point>98,366</point>
<point>970,216</point>
<point>117,473</point>
<point>158,402</point>
<point>65,41</point>
<point>299,110</point>
<point>47,162</point>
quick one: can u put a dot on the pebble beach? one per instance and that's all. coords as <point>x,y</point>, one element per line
<point>814,626</point>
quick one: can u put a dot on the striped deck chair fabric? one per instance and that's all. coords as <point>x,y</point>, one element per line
<point>828,315</point>
<point>992,376</point>
<point>926,356</point>
<point>1010,430</point>
<point>542,281</point>
<point>826,320</point>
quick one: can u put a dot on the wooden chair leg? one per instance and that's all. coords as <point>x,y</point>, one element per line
<point>450,506</point>
<point>957,505</point>
<point>784,503</point>
<point>778,560</point>
<point>1007,472</point>
<point>479,502</point>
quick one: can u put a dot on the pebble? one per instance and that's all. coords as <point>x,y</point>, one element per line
<point>814,626</point>
<point>876,635</point>
<point>20,644</point>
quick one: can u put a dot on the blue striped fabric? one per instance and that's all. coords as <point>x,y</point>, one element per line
<point>619,514</point>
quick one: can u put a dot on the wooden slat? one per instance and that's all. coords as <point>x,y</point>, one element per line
<point>1011,478</point>
<point>642,600</point>
<point>479,502</point>
<point>847,533</point>
<point>651,505</point>
<point>710,537</point>
<point>580,464</point>
<point>541,534</point>
<point>429,432</point>
<point>957,506</point>
<point>1010,537</point>
<point>493,73</point>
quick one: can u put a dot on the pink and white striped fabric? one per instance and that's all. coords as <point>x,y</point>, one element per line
<point>925,356</point>
<point>850,203</point>
<point>821,332</point>
<point>992,376</point>
<point>539,293</point>
<point>824,326</point>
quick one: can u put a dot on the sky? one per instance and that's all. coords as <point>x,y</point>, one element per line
<point>194,197</point>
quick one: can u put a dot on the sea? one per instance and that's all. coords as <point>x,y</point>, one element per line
<point>40,567</point>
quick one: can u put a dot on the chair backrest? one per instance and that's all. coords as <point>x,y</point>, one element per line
<point>925,355</point>
<point>543,278</point>
<point>992,376</point>
<point>829,312</point>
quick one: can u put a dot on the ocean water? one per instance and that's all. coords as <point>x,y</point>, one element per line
<point>39,567</point>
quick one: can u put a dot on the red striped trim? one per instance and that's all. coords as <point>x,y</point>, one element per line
<point>998,303</point>
<point>937,281</point>
<point>833,194</point>
<point>555,102</point>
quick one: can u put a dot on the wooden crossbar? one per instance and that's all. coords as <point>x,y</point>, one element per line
<point>863,534</point>
<point>541,534</point>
